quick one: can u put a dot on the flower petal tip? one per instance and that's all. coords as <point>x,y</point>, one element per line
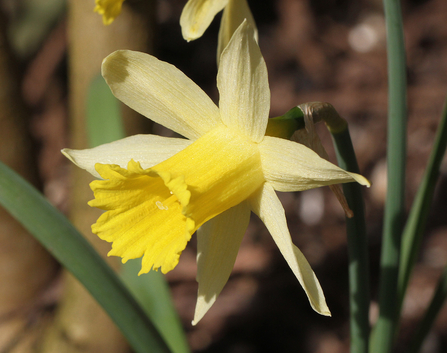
<point>198,316</point>
<point>188,36</point>
<point>66,153</point>
<point>321,307</point>
<point>361,179</point>
<point>326,313</point>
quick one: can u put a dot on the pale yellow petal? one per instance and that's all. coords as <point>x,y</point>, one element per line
<point>291,166</point>
<point>233,15</point>
<point>243,85</point>
<point>267,206</point>
<point>149,150</point>
<point>218,242</point>
<point>160,92</point>
<point>197,15</point>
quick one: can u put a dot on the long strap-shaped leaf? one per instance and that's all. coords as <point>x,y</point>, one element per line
<point>414,231</point>
<point>417,219</point>
<point>69,247</point>
<point>383,333</point>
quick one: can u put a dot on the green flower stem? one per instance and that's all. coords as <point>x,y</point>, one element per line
<point>285,125</point>
<point>356,229</point>
<point>359,292</point>
<point>70,248</point>
<point>430,315</point>
<point>417,219</point>
<point>383,334</point>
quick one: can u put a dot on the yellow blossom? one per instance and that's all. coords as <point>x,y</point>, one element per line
<point>109,9</point>
<point>158,191</point>
<point>197,15</point>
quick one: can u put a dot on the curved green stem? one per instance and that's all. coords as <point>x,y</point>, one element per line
<point>285,125</point>
<point>359,291</point>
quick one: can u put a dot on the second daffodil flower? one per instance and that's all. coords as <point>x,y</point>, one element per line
<point>197,15</point>
<point>158,191</point>
<point>109,9</point>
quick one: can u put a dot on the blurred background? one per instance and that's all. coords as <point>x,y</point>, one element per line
<point>319,50</point>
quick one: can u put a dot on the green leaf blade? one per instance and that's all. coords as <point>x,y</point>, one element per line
<point>69,247</point>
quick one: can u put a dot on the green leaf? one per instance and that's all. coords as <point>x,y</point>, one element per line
<point>414,230</point>
<point>417,218</point>
<point>384,331</point>
<point>70,248</point>
<point>152,292</point>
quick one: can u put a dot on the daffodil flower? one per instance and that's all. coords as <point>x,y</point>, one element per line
<point>197,15</point>
<point>158,191</point>
<point>109,9</point>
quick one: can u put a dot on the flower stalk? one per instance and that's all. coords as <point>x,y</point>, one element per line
<point>359,289</point>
